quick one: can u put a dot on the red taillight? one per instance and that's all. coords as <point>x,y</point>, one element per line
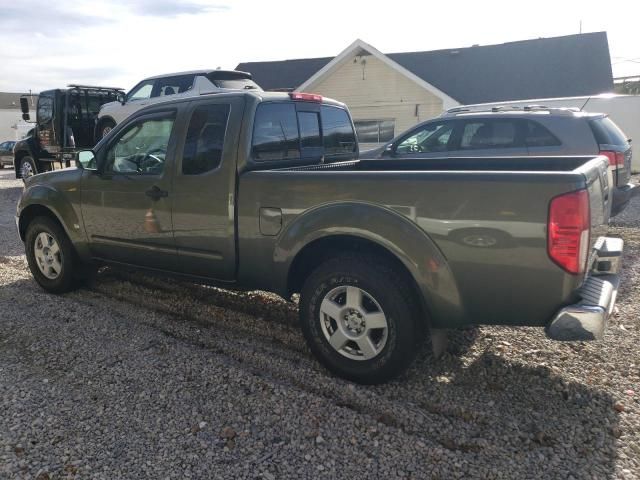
<point>616,159</point>
<point>306,97</point>
<point>568,230</point>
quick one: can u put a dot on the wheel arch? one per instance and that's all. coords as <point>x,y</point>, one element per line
<point>331,229</point>
<point>322,249</point>
<point>33,211</point>
<point>43,201</point>
<point>101,121</point>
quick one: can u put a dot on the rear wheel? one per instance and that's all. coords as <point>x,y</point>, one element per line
<point>27,167</point>
<point>360,318</point>
<point>50,255</point>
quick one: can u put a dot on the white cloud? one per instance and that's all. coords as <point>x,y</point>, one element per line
<point>118,42</point>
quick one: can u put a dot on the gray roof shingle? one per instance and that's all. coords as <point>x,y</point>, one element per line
<point>572,65</point>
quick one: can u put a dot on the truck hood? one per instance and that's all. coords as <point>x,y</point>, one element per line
<point>108,106</point>
<point>67,179</point>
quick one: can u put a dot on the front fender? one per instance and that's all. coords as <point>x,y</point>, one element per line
<point>63,205</point>
<point>388,229</point>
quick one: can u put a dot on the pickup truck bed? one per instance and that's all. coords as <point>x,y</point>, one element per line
<point>257,190</point>
<point>483,220</point>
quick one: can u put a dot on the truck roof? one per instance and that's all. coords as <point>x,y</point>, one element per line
<point>275,96</point>
<point>260,95</point>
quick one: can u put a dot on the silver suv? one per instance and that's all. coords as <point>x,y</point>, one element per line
<point>166,87</point>
<point>531,130</point>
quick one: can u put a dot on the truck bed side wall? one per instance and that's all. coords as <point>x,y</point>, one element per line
<point>489,229</point>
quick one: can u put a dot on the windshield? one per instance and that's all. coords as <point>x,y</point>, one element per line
<point>45,109</point>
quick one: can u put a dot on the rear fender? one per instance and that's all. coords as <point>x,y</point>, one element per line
<point>390,230</point>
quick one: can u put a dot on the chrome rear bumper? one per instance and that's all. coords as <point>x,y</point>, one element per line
<point>587,319</point>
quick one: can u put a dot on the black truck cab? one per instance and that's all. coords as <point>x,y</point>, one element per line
<point>65,123</point>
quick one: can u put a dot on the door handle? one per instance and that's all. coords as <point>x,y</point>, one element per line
<point>156,193</point>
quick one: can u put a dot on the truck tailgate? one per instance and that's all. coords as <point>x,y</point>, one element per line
<point>600,185</point>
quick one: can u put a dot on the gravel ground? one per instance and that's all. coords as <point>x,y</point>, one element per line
<point>137,377</point>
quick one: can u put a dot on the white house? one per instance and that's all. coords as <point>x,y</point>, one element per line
<point>388,93</point>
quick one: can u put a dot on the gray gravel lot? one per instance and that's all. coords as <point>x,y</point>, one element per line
<point>139,377</point>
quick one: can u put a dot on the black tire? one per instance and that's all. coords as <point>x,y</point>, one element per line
<point>27,165</point>
<point>65,280</point>
<point>105,127</point>
<point>395,297</point>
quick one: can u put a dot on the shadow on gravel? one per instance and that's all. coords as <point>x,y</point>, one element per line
<point>514,412</point>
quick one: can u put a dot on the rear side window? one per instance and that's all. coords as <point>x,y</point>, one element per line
<point>490,133</point>
<point>339,137</point>
<point>282,133</point>
<point>607,132</point>
<point>234,83</point>
<point>205,139</point>
<point>275,132</point>
<point>538,136</point>
<point>172,85</point>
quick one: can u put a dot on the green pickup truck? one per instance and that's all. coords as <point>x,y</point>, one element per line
<point>256,190</point>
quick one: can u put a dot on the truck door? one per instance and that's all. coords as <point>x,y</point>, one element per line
<point>203,198</point>
<point>126,204</point>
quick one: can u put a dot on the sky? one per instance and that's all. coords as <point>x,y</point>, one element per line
<point>49,44</point>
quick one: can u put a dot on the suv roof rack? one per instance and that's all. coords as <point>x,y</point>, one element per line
<point>93,87</point>
<point>509,108</point>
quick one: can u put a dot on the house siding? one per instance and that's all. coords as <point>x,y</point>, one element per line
<point>375,91</point>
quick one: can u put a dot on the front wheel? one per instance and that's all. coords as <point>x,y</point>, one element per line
<point>27,168</point>
<point>50,255</point>
<point>105,128</point>
<point>360,318</point>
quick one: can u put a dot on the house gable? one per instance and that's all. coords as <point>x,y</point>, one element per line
<point>362,50</point>
<point>375,91</point>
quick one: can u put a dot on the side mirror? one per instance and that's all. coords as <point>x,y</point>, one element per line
<point>121,98</point>
<point>388,150</point>
<point>24,106</point>
<point>86,160</point>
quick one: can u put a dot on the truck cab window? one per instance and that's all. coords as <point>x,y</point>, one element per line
<point>45,109</point>
<point>275,132</point>
<point>141,148</point>
<point>338,136</point>
<point>309,129</point>
<point>205,139</point>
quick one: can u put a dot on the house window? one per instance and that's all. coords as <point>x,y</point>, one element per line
<point>375,131</point>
